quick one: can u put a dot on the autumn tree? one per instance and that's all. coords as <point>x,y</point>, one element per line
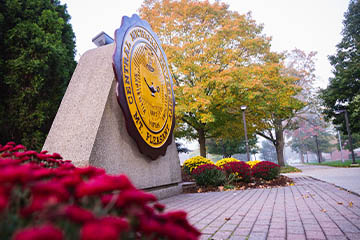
<point>273,96</point>
<point>343,90</point>
<point>37,47</point>
<point>311,130</point>
<point>213,53</point>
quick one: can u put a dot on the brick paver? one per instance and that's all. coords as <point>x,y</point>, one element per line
<point>310,209</point>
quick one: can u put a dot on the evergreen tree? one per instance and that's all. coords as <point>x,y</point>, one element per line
<point>344,87</point>
<point>37,48</point>
<point>229,147</point>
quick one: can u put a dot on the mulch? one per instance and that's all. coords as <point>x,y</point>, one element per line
<point>280,181</point>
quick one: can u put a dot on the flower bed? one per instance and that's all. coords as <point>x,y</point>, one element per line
<point>209,175</point>
<point>240,170</point>
<point>192,163</point>
<point>238,175</point>
<point>266,170</point>
<point>252,163</point>
<point>224,161</point>
<point>45,197</point>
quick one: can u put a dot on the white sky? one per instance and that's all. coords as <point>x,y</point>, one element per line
<point>310,25</point>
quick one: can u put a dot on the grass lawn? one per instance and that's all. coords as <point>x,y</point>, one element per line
<point>289,169</point>
<point>346,163</point>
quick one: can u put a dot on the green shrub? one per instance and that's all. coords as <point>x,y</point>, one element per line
<point>209,175</point>
<point>266,170</point>
<point>192,163</point>
<point>224,161</point>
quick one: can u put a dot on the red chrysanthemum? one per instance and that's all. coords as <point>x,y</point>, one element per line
<point>105,229</point>
<point>78,214</point>
<point>44,232</point>
<point>103,184</point>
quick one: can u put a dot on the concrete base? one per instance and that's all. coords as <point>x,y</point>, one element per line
<point>89,128</point>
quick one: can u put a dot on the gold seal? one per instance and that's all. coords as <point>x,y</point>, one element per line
<point>147,86</point>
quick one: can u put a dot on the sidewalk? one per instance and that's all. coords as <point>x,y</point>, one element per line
<point>348,178</point>
<point>310,209</point>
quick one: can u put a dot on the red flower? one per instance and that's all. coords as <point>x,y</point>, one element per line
<point>43,232</point>
<point>120,223</point>
<point>29,153</point>
<point>78,215</point>
<point>4,162</point>
<point>102,184</point>
<point>200,169</point>
<point>71,180</point>
<point>105,229</point>
<point>18,147</point>
<point>134,196</point>
<point>90,171</point>
<point>6,155</point>
<point>4,198</point>
<point>56,156</point>
<point>19,154</point>
<point>43,156</point>
<point>6,148</point>
<point>159,207</point>
<point>46,195</point>
<point>149,225</point>
<point>13,174</point>
<point>42,173</point>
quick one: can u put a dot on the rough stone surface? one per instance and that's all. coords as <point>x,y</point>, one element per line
<point>89,128</point>
<point>310,209</point>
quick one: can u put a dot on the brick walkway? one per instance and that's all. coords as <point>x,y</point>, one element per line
<point>310,209</point>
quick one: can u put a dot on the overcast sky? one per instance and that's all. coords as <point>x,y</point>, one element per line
<point>309,25</point>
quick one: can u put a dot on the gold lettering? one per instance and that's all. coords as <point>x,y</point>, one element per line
<point>127,79</point>
<point>130,99</point>
<point>128,90</point>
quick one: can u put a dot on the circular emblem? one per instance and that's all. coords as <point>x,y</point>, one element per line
<point>144,89</point>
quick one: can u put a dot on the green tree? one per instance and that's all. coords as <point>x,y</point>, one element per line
<point>37,47</point>
<point>211,52</point>
<point>344,87</point>
<point>229,147</point>
<point>345,140</point>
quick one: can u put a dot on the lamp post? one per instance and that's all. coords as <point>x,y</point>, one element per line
<point>243,108</point>
<point>342,159</point>
<point>349,133</point>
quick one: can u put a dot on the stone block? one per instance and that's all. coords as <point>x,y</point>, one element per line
<point>89,129</point>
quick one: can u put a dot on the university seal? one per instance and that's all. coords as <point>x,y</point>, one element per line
<point>144,86</point>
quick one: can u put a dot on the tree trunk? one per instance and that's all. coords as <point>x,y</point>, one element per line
<point>280,143</point>
<point>307,157</point>
<point>301,157</point>
<point>201,140</point>
<point>280,154</point>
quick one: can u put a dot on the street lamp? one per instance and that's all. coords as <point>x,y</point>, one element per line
<point>243,108</point>
<point>342,159</point>
<point>349,133</point>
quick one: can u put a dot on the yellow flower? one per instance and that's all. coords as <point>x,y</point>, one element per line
<point>194,162</point>
<point>253,163</point>
<point>224,161</point>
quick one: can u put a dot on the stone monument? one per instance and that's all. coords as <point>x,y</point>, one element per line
<point>118,112</point>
